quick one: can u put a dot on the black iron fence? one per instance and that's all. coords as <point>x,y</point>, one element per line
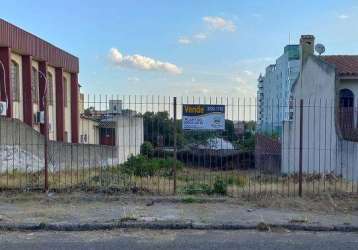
<point>221,146</point>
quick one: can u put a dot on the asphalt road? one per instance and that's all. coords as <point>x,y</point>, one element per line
<point>145,239</point>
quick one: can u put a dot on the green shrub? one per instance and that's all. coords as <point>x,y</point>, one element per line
<point>147,149</point>
<point>220,187</point>
<point>138,166</point>
<point>196,188</point>
<point>239,180</point>
<point>188,200</point>
<point>143,166</point>
<point>167,166</point>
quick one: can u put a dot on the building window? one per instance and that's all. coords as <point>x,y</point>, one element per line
<point>15,81</point>
<point>65,91</point>
<point>83,138</point>
<point>65,139</point>
<point>346,111</point>
<point>50,88</point>
<point>35,85</point>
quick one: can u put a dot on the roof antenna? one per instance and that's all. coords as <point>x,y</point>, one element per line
<point>289,37</point>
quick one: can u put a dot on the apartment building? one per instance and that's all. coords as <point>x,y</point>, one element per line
<point>26,61</point>
<point>274,93</point>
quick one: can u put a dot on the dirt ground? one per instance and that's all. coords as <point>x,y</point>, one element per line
<point>85,207</point>
<point>324,202</point>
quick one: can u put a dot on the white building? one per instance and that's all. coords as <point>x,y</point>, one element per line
<point>274,91</point>
<point>124,129</point>
<point>115,126</point>
<point>328,87</point>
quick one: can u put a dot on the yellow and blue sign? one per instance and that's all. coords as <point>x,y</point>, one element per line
<point>203,117</point>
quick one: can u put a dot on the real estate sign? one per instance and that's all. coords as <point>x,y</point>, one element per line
<point>203,117</point>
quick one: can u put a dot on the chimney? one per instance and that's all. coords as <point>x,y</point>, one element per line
<point>307,46</point>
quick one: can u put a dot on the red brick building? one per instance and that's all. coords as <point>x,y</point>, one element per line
<point>26,59</point>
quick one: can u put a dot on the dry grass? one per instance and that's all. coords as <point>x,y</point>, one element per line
<point>239,182</point>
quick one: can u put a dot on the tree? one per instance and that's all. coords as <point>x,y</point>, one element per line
<point>159,128</point>
<point>147,149</point>
<point>248,141</point>
<point>229,133</point>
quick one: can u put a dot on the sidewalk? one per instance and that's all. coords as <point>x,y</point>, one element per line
<point>97,211</point>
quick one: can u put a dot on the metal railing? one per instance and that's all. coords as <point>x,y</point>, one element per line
<point>138,144</point>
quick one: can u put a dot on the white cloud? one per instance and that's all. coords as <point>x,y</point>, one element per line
<point>142,62</point>
<point>219,23</point>
<point>195,38</point>
<point>184,40</point>
<point>239,79</point>
<point>229,88</point>
<point>246,86</point>
<point>259,60</point>
<point>214,23</point>
<point>200,36</point>
<point>133,79</point>
<point>211,83</point>
<point>343,16</point>
<point>248,72</point>
<point>198,89</point>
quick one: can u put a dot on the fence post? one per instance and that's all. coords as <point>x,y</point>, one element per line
<point>175,144</point>
<point>46,146</point>
<point>300,150</point>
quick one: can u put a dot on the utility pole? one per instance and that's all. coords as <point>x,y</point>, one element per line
<point>44,102</point>
<point>175,144</point>
<point>300,179</point>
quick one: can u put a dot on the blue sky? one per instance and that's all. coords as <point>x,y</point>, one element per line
<point>182,47</point>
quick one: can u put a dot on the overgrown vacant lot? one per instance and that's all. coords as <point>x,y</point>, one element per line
<point>36,202</point>
<point>156,176</point>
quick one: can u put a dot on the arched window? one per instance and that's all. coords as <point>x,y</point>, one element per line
<point>35,85</point>
<point>346,111</point>
<point>50,88</point>
<point>15,81</point>
<point>65,99</point>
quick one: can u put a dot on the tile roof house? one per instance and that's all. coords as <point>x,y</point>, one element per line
<point>328,89</point>
<point>345,65</point>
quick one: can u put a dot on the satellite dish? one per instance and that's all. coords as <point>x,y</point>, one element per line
<point>320,49</point>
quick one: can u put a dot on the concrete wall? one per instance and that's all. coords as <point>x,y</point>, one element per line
<point>22,149</point>
<point>73,157</point>
<point>348,150</point>
<point>88,131</point>
<point>319,137</point>
<point>129,136</point>
<point>267,154</point>
<point>323,151</point>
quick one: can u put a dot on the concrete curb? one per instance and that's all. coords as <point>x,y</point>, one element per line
<point>171,225</point>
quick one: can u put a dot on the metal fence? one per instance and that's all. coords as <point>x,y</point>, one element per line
<point>138,144</point>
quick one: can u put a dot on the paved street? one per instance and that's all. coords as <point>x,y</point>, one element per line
<point>145,239</point>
